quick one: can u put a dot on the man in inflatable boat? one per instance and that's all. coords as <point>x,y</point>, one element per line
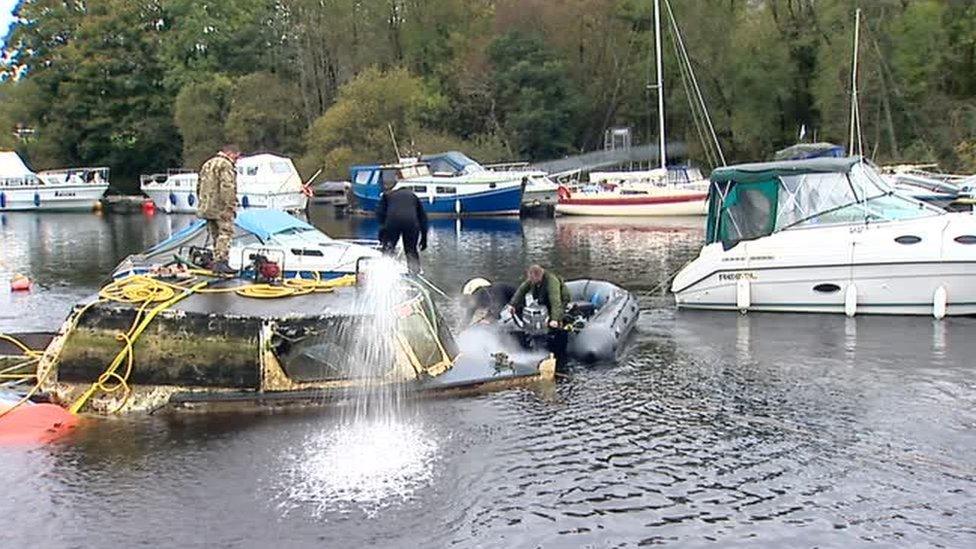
<point>587,320</point>
<point>550,292</point>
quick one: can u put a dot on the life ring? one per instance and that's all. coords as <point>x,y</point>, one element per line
<point>191,199</point>
<point>37,199</point>
<point>245,202</point>
<point>172,198</point>
<point>563,193</point>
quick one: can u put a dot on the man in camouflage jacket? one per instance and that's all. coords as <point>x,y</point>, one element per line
<point>217,188</point>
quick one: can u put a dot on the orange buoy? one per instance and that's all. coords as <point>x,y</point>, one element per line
<point>35,424</point>
<point>148,207</point>
<point>20,283</point>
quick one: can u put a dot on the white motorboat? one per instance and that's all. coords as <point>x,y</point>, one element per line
<point>54,190</point>
<point>297,247</point>
<point>263,181</point>
<point>828,235</point>
<point>663,192</point>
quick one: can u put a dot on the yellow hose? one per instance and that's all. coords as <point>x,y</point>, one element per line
<point>20,345</point>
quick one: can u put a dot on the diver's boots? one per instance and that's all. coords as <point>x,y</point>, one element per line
<point>223,269</point>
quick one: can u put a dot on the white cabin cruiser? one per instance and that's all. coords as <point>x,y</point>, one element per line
<point>296,246</point>
<point>263,181</point>
<point>828,235</point>
<point>54,190</point>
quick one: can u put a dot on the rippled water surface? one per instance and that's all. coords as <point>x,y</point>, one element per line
<point>715,428</point>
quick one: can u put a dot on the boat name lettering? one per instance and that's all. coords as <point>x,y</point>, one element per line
<point>63,193</point>
<point>737,276</point>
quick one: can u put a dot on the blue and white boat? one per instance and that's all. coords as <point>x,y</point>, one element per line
<point>441,196</point>
<point>298,247</point>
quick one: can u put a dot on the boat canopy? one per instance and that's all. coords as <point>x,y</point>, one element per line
<point>750,201</point>
<point>802,151</point>
<point>257,225</point>
<point>452,162</point>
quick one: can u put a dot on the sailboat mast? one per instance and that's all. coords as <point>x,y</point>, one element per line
<point>855,107</point>
<point>660,83</point>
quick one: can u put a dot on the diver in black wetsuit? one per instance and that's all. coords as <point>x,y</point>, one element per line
<point>402,216</point>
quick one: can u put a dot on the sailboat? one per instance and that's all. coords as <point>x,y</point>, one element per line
<point>656,192</point>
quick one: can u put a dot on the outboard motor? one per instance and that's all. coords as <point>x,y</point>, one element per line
<point>535,320</point>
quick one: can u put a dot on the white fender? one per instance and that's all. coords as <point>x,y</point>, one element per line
<point>850,300</point>
<point>940,303</point>
<point>457,206</point>
<point>743,295</point>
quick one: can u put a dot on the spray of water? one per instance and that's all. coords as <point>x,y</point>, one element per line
<point>376,455</point>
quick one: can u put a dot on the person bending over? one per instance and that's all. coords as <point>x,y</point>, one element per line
<point>483,301</point>
<point>549,290</point>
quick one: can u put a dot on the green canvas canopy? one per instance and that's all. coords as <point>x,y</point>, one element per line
<point>750,201</point>
<point>765,171</point>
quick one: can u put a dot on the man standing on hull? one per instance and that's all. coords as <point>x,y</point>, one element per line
<point>402,217</point>
<point>217,189</point>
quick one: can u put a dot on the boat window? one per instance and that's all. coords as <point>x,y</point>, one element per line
<point>446,190</point>
<point>441,166</point>
<point>363,177</point>
<point>748,212</point>
<point>280,167</point>
<point>414,171</point>
<point>420,189</point>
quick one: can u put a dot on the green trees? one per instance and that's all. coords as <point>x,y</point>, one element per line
<point>143,85</point>
<point>534,97</point>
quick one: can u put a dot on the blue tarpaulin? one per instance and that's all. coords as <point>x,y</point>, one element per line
<point>262,223</point>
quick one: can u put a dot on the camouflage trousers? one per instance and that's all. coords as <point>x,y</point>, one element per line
<point>220,232</point>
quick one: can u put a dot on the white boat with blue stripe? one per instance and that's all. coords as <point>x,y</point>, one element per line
<point>440,196</point>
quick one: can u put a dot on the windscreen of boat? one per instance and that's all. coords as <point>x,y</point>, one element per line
<point>751,210</point>
<point>859,196</point>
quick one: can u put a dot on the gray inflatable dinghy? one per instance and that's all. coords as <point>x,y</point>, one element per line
<point>604,314</point>
<point>600,317</point>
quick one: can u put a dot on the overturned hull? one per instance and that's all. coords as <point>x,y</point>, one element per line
<point>223,350</point>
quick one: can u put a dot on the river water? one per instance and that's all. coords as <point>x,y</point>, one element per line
<point>714,429</point>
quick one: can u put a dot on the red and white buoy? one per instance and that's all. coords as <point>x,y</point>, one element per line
<point>20,283</point>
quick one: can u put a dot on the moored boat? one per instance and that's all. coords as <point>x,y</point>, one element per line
<point>671,192</point>
<point>828,235</point>
<point>69,189</point>
<point>440,196</point>
<point>263,181</point>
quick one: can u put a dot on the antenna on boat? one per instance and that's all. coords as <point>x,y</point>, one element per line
<point>393,138</point>
<point>855,132</point>
<point>660,83</point>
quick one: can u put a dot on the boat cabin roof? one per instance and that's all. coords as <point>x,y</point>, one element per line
<point>750,201</point>
<point>763,171</point>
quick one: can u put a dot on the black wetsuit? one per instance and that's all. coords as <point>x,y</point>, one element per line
<point>402,216</point>
<point>490,299</point>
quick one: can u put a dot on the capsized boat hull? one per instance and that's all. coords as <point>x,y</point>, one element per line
<point>924,266</point>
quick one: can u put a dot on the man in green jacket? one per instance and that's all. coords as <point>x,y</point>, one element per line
<point>549,290</point>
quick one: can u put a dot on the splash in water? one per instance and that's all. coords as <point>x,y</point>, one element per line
<point>375,456</point>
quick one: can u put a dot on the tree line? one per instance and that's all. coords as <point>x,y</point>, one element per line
<point>146,85</point>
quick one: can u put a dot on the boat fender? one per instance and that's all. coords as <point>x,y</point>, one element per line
<point>457,206</point>
<point>37,199</point>
<point>191,200</point>
<point>172,198</point>
<point>148,207</point>
<point>562,192</point>
<point>245,202</point>
<point>3,200</point>
<point>940,303</point>
<point>20,283</point>
<point>850,301</point>
<point>743,295</point>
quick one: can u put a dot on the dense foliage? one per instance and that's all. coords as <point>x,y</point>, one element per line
<point>144,85</point>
